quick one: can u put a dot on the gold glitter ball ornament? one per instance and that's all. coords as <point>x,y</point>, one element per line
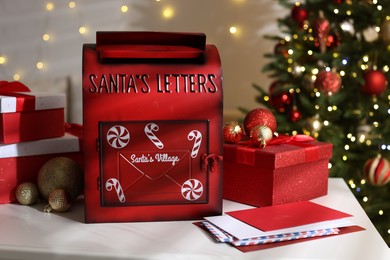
<point>261,135</point>
<point>59,200</point>
<point>27,193</point>
<point>60,173</point>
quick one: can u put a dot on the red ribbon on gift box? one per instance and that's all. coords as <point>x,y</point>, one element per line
<point>293,139</point>
<point>246,154</point>
<point>23,101</point>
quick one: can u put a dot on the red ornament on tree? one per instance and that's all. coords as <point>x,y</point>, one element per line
<point>232,132</point>
<point>281,49</point>
<point>294,114</point>
<point>377,171</point>
<point>259,116</point>
<point>299,14</point>
<point>375,82</point>
<point>328,82</point>
<point>321,32</point>
<point>280,100</point>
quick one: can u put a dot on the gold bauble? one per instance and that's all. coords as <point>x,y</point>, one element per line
<point>60,173</point>
<point>27,193</point>
<point>59,200</point>
<point>261,135</point>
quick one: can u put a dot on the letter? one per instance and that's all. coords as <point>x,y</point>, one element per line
<point>123,82</point>
<point>93,89</point>
<point>159,90</point>
<point>202,83</point>
<point>167,83</point>
<point>213,87</point>
<point>185,78</point>
<point>131,84</point>
<point>192,83</point>
<point>114,83</point>
<point>146,88</point>
<point>177,82</point>
<point>103,84</point>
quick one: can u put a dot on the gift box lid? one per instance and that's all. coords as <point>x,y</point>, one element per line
<point>65,144</point>
<point>11,102</point>
<point>278,155</point>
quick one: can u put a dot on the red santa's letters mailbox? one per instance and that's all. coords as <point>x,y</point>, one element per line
<point>152,116</point>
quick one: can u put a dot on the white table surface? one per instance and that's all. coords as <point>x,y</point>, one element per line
<point>28,233</point>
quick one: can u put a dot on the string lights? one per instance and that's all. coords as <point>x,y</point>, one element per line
<point>46,36</point>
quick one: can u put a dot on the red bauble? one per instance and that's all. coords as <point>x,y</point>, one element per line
<point>294,114</point>
<point>232,132</point>
<point>299,14</point>
<point>377,171</point>
<point>321,27</point>
<point>332,41</point>
<point>376,82</point>
<point>321,32</point>
<point>328,82</point>
<point>280,100</point>
<point>259,116</point>
<point>281,49</point>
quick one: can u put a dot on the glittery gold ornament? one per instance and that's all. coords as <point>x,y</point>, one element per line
<point>60,173</point>
<point>59,200</point>
<point>27,193</point>
<point>261,135</point>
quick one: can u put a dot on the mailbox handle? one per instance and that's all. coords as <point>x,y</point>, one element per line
<point>150,45</point>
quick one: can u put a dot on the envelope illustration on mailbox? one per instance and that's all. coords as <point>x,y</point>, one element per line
<point>171,174</point>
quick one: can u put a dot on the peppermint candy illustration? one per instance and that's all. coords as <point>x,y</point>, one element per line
<point>197,137</point>
<point>192,189</point>
<point>114,183</point>
<point>118,136</point>
<point>149,129</point>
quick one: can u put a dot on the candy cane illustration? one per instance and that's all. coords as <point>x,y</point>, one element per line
<point>195,134</point>
<point>149,129</point>
<point>110,183</point>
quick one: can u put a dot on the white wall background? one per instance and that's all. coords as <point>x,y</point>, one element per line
<point>23,23</point>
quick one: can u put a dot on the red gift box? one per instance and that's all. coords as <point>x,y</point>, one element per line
<point>21,162</point>
<point>152,116</point>
<point>27,116</point>
<point>277,174</point>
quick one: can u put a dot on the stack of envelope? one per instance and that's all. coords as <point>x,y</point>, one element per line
<point>260,228</point>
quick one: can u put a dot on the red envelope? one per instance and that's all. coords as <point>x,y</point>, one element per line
<point>143,167</point>
<point>287,215</point>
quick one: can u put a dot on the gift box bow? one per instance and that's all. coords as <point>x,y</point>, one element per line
<point>283,151</point>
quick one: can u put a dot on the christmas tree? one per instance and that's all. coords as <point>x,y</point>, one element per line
<point>329,70</point>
